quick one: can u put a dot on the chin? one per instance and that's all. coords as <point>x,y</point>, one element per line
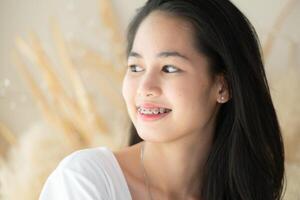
<point>155,136</point>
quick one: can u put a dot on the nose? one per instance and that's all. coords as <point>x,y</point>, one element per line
<point>149,86</point>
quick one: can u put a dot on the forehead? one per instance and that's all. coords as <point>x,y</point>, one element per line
<point>161,31</point>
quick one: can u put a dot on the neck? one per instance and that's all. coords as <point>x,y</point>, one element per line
<point>174,169</point>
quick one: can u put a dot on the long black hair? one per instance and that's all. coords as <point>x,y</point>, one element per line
<point>247,157</point>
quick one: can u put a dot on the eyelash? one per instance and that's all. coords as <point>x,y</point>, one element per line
<point>177,70</point>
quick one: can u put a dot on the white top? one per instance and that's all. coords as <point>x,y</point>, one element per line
<point>88,174</point>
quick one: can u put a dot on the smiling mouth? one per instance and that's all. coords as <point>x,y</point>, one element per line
<point>152,116</point>
<point>154,111</point>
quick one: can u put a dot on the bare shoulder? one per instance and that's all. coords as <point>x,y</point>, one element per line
<point>129,161</point>
<point>128,158</point>
<point>128,150</point>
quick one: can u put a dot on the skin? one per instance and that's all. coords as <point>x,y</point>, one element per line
<point>176,146</point>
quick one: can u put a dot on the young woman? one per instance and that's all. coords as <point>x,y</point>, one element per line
<point>203,122</point>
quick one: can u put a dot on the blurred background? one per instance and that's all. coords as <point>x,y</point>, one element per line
<point>61,67</point>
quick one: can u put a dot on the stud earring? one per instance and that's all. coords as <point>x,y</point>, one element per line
<point>222,99</point>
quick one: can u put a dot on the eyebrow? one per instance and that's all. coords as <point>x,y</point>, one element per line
<point>161,54</point>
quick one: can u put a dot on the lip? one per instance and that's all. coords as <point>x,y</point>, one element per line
<point>152,105</point>
<point>152,117</point>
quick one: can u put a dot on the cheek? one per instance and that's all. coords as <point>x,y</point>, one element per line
<point>127,89</point>
<point>192,100</point>
<point>128,93</point>
<point>185,93</point>
<point>124,89</point>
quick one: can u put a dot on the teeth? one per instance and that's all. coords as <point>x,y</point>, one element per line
<point>152,111</point>
<point>156,111</point>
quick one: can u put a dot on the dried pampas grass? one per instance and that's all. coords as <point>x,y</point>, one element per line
<point>71,122</point>
<point>7,139</point>
<point>29,162</point>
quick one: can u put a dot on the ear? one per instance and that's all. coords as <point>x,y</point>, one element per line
<point>222,94</point>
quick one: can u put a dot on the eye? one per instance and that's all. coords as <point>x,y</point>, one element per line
<point>172,69</point>
<point>134,68</point>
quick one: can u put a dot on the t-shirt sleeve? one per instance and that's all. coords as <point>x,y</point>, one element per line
<point>77,177</point>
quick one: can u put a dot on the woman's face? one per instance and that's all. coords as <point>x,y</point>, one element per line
<point>164,68</point>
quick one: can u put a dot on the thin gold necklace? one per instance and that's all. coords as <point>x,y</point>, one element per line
<point>144,170</point>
